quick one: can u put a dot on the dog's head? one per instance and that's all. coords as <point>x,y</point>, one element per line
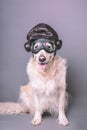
<point>43,42</point>
<point>43,52</point>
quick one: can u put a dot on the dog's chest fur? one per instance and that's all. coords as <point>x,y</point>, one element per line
<point>49,81</point>
<point>43,86</point>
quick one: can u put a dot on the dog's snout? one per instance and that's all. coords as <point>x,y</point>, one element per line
<point>42,58</point>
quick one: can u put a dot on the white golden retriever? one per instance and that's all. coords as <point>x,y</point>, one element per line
<point>46,90</point>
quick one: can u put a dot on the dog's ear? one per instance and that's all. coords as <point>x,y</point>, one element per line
<point>27,46</point>
<point>59,44</point>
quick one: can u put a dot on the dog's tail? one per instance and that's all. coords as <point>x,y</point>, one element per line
<point>11,108</point>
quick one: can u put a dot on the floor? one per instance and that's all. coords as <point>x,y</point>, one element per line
<point>77,116</point>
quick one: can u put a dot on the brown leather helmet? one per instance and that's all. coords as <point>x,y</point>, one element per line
<point>42,30</point>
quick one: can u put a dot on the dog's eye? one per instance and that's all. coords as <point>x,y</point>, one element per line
<point>48,46</point>
<point>36,45</point>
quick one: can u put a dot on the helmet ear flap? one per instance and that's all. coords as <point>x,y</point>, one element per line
<point>59,44</point>
<point>27,46</point>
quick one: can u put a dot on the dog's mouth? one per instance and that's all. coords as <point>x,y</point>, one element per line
<point>42,65</point>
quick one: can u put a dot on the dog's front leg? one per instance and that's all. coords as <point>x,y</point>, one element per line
<point>37,117</point>
<point>62,103</point>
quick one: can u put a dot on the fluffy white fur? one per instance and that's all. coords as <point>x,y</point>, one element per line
<point>46,90</point>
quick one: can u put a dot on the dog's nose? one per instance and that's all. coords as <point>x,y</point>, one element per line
<point>42,58</point>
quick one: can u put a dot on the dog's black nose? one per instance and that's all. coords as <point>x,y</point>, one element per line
<point>42,58</point>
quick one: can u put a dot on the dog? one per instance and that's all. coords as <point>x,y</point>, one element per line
<point>46,89</point>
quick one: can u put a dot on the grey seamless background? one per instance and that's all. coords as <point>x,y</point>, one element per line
<point>69,19</point>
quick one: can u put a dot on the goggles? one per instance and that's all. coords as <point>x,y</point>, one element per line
<point>46,44</point>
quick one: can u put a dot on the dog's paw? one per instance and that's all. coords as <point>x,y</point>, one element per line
<point>63,120</point>
<point>36,121</point>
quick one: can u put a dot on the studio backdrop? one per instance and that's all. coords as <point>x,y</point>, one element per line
<point>69,19</point>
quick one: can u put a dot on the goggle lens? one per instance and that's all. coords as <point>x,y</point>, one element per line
<point>47,45</point>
